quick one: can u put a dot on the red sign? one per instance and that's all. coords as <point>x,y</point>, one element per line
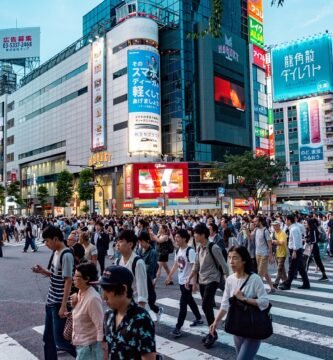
<point>259,57</point>
<point>127,205</point>
<point>262,152</point>
<point>151,180</point>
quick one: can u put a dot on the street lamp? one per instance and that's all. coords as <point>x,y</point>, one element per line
<point>92,167</point>
<point>29,197</point>
<point>164,185</point>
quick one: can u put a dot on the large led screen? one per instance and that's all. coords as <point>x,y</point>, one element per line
<point>152,180</point>
<point>229,93</point>
<point>302,68</point>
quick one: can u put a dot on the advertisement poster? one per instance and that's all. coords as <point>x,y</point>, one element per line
<point>19,43</point>
<point>254,9</point>
<point>151,180</point>
<point>228,93</point>
<point>302,68</point>
<point>259,57</point>
<point>256,32</point>
<point>128,181</point>
<point>144,123</point>
<point>98,113</point>
<point>310,137</point>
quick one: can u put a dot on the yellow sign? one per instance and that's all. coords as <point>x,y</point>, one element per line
<point>99,159</point>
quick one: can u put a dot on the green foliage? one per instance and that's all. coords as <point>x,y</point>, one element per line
<point>2,195</point>
<point>42,194</point>
<point>253,175</point>
<point>14,191</point>
<point>278,2</point>
<point>84,189</point>
<point>85,209</point>
<point>64,187</point>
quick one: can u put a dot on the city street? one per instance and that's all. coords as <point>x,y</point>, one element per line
<point>303,319</point>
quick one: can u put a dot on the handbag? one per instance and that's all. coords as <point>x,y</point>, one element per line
<point>248,320</point>
<point>68,329</point>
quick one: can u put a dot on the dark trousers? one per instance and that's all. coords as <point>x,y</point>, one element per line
<point>1,253</point>
<point>207,292</point>
<point>331,245</point>
<point>152,296</point>
<point>315,254</point>
<point>29,241</point>
<point>53,334</point>
<point>186,298</point>
<point>296,265</point>
<point>101,261</point>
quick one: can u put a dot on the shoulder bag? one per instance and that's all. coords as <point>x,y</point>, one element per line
<point>248,320</point>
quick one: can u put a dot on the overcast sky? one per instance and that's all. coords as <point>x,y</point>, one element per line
<point>61,20</point>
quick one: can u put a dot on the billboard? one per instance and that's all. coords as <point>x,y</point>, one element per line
<point>228,93</point>
<point>144,123</point>
<point>310,137</point>
<point>19,43</point>
<point>98,123</point>
<point>302,68</point>
<point>151,180</point>
<point>254,9</point>
<point>259,57</point>
<point>256,32</point>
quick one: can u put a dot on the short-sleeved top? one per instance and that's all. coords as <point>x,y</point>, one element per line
<point>184,264</point>
<point>261,238</point>
<point>281,250</point>
<point>58,275</point>
<point>134,337</point>
<point>90,251</point>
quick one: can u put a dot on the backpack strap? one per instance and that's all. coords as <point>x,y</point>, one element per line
<point>50,261</point>
<point>210,249</point>
<point>135,260</point>
<point>188,252</point>
<point>63,253</point>
<point>245,282</point>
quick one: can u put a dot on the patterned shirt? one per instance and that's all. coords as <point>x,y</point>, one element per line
<point>134,337</point>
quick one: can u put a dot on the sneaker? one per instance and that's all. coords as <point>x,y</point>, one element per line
<point>176,333</point>
<point>159,314</point>
<point>271,291</point>
<point>304,287</point>
<point>204,338</point>
<point>210,341</point>
<point>275,286</point>
<point>323,278</point>
<point>197,322</point>
<point>284,287</point>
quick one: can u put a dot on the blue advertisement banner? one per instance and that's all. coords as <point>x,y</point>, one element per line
<point>308,153</point>
<point>302,68</point>
<point>143,81</point>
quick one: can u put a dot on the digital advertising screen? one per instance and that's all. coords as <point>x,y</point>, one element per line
<point>302,68</point>
<point>151,180</point>
<point>228,93</point>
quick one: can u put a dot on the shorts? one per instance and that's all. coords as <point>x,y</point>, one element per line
<point>163,257</point>
<point>262,263</point>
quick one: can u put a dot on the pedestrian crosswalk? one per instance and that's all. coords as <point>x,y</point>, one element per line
<point>302,322</point>
<point>13,243</point>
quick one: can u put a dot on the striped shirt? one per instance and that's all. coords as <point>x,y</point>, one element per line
<point>58,275</point>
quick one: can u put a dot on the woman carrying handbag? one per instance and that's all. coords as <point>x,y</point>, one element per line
<point>246,304</point>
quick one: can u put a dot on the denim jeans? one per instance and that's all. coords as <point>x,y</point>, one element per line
<point>186,299</point>
<point>53,334</point>
<point>246,348</point>
<point>90,352</point>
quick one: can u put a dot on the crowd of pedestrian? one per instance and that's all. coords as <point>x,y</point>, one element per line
<point>231,253</point>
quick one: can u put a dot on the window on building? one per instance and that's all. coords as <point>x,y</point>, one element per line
<point>10,123</point>
<point>119,73</point>
<point>10,140</point>
<point>120,99</point>
<point>10,157</point>
<point>120,126</point>
<point>10,106</point>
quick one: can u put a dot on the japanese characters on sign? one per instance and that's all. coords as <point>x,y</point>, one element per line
<point>310,137</point>
<point>302,68</point>
<point>256,32</point>
<point>227,49</point>
<point>144,101</point>
<point>259,57</point>
<point>98,124</point>
<point>254,9</point>
<point>128,179</point>
<point>19,43</point>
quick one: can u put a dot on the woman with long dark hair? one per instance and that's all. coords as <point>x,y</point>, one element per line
<point>253,293</point>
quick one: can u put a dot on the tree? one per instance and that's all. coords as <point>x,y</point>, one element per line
<point>42,194</point>
<point>2,195</point>
<point>14,191</point>
<point>64,187</point>
<point>215,20</point>
<point>253,175</point>
<point>85,209</point>
<point>85,190</point>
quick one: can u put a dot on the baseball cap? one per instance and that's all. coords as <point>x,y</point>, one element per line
<point>115,275</point>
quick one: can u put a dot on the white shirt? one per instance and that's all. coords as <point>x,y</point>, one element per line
<point>254,289</point>
<point>184,264</point>
<point>295,237</point>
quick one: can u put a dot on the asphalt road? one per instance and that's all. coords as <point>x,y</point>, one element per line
<point>303,319</point>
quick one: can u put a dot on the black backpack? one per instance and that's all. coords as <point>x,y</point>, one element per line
<point>187,252</point>
<point>66,251</point>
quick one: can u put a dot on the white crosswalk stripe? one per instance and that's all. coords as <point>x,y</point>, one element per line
<point>307,312</point>
<point>38,242</point>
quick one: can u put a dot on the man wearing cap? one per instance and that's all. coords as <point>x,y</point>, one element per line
<point>280,240</point>
<point>129,330</point>
<point>101,240</point>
